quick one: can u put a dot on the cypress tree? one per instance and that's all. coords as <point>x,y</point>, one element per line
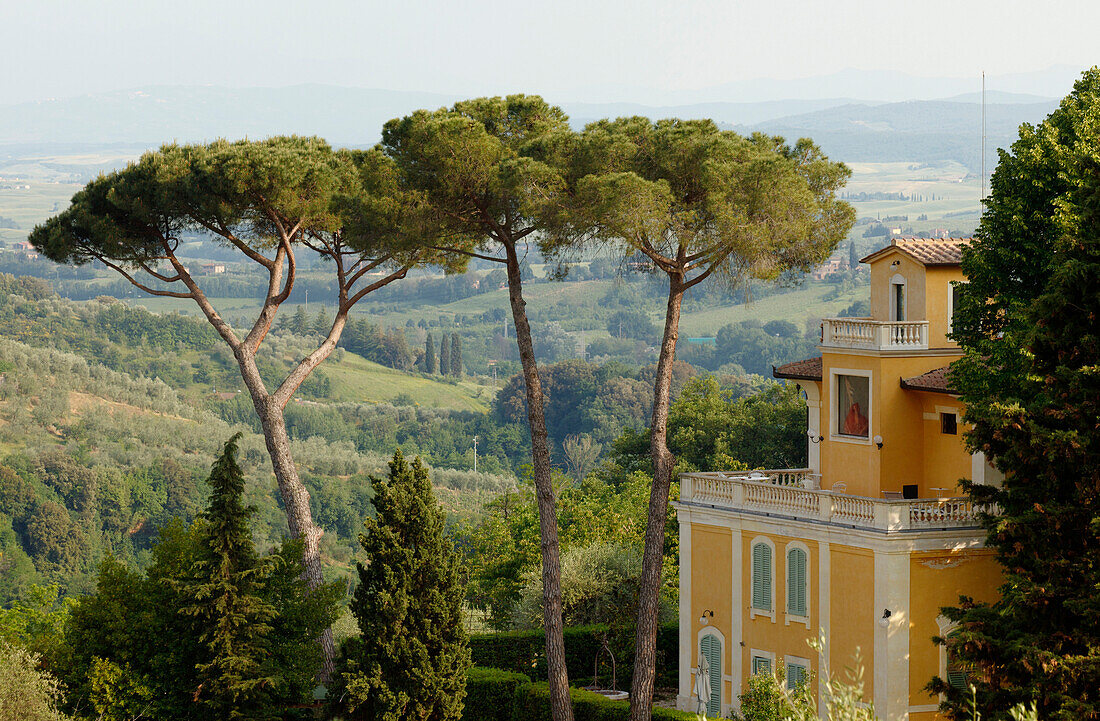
<point>456,356</point>
<point>445,355</point>
<point>411,660</point>
<point>323,324</point>
<point>225,594</point>
<point>300,324</point>
<point>429,354</point>
<point>1029,324</point>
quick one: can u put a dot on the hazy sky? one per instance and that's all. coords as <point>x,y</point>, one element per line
<point>56,48</point>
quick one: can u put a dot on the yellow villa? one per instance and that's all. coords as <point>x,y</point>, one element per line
<point>866,544</point>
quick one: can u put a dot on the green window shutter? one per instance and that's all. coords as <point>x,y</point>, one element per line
<point>711,648</point>
<point>796,582</point>
<point>761,664</point>
<point>762,577</point>
<point>956,677</point>
<point>796,675</point>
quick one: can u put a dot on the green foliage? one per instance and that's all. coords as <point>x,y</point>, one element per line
<point>599,584</point>
<point>491,694</point>
<point>629,323</point>
<point>533,702</point>
<point>581,398</point>
<point>431,365</point>
<point>502,548</point>
<point>411,660</point>
<point>1028,322</point>
<point>243,629</point>
<point>26,692</point>
<point>37,621</point>
<point>524,652</point>
<point>222,596</point>
<point>456,355</point>
<point>712,430</point>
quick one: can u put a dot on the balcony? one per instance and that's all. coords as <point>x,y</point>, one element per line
<point>874,334</point>
<point>795,494</point>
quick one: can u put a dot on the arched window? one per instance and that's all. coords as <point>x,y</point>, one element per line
<point>710,648</point>
<point>762,576</point>
<point>797,583</point>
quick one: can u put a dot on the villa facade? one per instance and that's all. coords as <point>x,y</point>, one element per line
<point>863,546</point>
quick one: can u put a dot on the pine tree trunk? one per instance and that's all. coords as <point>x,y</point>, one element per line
<point>649,589</point>
<point>561,705</point>
<point>291,489</point>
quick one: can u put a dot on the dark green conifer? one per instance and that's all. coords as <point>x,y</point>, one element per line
<point>233,618</point>
<point>456,356</point>
<point>430,364</point>
<point>323,323</point>
<point>445,355</point>
<point>411,660</point>
<point>299,325</point>
<point>1032,389</point>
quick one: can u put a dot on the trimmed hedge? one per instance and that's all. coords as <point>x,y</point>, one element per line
<point>495,695</point>
<point>491,694</point>
<point>525,652</point>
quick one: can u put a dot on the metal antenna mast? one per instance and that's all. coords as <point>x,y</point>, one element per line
<point>982,198</point>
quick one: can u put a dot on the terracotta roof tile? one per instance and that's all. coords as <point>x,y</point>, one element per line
<point>803,370</point>
<point>928,251</point>
<point>934,381</point>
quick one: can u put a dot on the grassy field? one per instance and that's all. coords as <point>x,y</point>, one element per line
<point>358,380</point>
<point>795,306</point>
<point>28,207</point>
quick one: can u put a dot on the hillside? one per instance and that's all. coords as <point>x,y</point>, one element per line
<point>93,461</point>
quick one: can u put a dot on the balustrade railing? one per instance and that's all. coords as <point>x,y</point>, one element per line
<point>867,333</point>
<point>796,493</point>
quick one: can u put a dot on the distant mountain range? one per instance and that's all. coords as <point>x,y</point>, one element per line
<point>847,128</point>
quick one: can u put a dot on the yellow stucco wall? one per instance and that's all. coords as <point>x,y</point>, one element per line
<point>712,589</point>
<point>852,614</point>
<point>937,303</point>
<point>898,416</point>
<point>945,457</point>
<point>937,579</point>
<point>779,637</point>
<point>881,277</point>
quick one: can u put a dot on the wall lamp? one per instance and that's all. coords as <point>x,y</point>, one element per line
<point>814,437</point>
<point>706,617</point>
<point>884,622</point>
<point>878,441</point>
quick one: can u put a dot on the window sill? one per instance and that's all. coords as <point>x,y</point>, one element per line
<point>791,618</point>
<point>754,612</point>
<point>856,440</point>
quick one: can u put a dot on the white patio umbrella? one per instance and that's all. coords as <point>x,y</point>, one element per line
<point>702,685</point>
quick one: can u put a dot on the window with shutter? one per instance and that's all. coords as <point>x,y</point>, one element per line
<point>796,675</point>
<point>796,582</point>
<point>762,577</point>
<point>711,648</point>
<point>761,664</point>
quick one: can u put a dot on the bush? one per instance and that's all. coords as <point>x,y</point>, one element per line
<point>524,652</point>
<point>25,691</point>
<point>532,703</point>
<point>491,694</point>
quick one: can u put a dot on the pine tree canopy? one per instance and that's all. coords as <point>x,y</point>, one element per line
<point>1029,322</point>
<point>411,659</point>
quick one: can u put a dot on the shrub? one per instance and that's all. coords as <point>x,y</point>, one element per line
<point>26,692</point>
<point>532,703</point>
<point>491,694</point>
<point>524,652</point>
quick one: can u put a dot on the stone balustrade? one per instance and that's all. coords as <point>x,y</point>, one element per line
<point>796,493</point>
<point>875,334</point>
